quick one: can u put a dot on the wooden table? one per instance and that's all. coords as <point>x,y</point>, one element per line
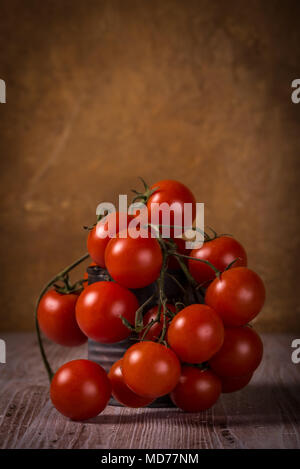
<point>266,414</point>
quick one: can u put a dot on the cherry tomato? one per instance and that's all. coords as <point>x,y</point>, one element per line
<point>220,252</point>
<point>80,389</point>
<point>56,317</point>
<point>155,330</point>
<point>196,390</point>
<point>235,384</point>
<point>121,391</point>
<point>171,192</point>
<point>133,263</point>
<point>240,354</point>
<point>150,369</point>
<point>196,333</point>
<point>99,309</point>
<point>101,234</point>
<point>237,296</point>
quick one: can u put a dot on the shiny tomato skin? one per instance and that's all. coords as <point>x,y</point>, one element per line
<point>133,262</point>
<point>237,296</point>
<point>155,331</point>
<point>150,369</point>
<point>99,309</point>
<point>235,384</point>
<point>171,192</point>
<point>240,354</point>
<point>197,390</point>
<point>220,252</point>
<point>196,333</point>
<point>121,391</point>
<point>80,389</point>
<point>96,244</point>
<point>57,320</point>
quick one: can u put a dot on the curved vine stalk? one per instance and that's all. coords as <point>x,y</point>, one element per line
<point>51,282</point>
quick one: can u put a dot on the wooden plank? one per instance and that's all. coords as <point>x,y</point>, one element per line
<point>266,414</point>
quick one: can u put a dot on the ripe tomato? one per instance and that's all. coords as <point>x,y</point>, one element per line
<point>99,308</point>
<point>171,192</point>
<point>240,354</point>
<point>237,296</point>
<point>56,317</point>
<point>196,390</point>
<point>150,369</point>
<point>220,252</point>
<point>121,391</point>
<point>101,234</point>
<point>155,330</point>
<point>235,384</point>
<point>80,389</point>
<point>196,333</point>
<point>133,262</point>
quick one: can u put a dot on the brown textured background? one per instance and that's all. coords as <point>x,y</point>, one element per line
<point>100,92</point>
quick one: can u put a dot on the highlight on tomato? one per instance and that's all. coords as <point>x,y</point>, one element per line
<point>174,194</point>
<point>221,252</point>
<point>133,262</point>
<point>57,318</point>
<point>80,389</point>
<point>100,235</point>
<point>100,308</point>
<point>150,369</point>
<point>238,295</point>
<point>121,392</point>
<point>196,333</point>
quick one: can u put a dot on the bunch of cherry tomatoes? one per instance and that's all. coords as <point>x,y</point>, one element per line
<point>186,349</point>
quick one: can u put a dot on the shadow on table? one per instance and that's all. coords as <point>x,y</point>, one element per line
<point>255,405</point>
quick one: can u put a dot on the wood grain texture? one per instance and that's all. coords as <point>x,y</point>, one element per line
<point>264,415</point>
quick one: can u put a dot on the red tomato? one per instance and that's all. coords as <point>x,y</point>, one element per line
<point>172,261</point>
<point>155,330</point>
<point>99,309</point>
<point>196,333</point>
<point>235,384</point>
<point>56,317</point>
<point>237,296</point>
<point>171,192</point>
<point>121,391</point>
<point>240,354</point>
<point>220,252</point>
<point>133,263</point>
<point>80,389</point>
<point>150,369</point>
<point>196,390</point>
<point>101,234</point>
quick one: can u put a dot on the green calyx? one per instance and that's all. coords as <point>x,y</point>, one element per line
<point>143,196</point>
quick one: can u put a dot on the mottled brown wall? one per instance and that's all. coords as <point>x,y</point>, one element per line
<point>100,92</point>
